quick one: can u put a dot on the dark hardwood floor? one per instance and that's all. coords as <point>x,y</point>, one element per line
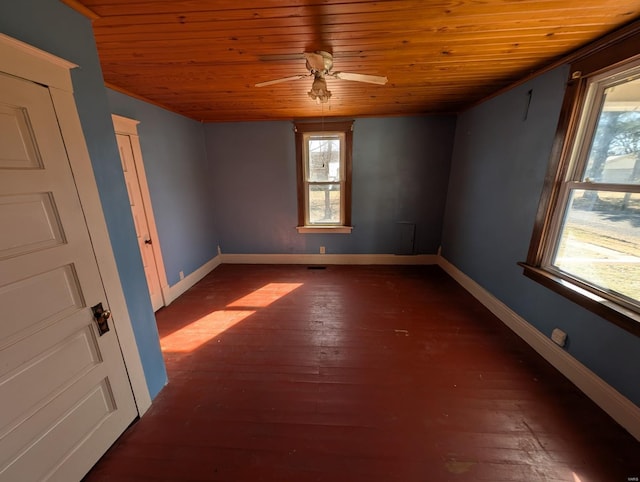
<point>358,373</point>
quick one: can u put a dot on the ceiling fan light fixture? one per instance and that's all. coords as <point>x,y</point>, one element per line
<point>319,91</point>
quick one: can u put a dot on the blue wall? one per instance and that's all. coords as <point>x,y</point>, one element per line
<point>400,172</point>
<point>53,27</point>
<point>253,187</point>
<point>498,167</point>
<point>175,162</point>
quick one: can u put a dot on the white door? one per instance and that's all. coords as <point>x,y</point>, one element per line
<point>64,392</point>
<point>140,220</point>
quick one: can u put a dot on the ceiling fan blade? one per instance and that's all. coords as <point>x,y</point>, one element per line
<point>371,79</point>
<point>278,81</point>
<point>315,61</point>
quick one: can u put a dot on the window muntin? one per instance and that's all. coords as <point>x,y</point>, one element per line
<point>324,178</point>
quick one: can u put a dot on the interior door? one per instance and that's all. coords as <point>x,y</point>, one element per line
<point>64,390</point>
<point>140,220</point>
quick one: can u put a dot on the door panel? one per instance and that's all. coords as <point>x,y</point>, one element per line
<point>64,390</point>
<point>79,413</point>
<point>35,226</point>
<point>58,297</point>
<point>18,146</point>
<point>74,356</point>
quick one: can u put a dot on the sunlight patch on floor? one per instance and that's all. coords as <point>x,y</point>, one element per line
<point>196,334</point>
<point>264,296</point>
<point>206,328</point>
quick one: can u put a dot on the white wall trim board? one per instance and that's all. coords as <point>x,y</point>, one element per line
<point>620,408</point>
<point>124,125</point>
<point>325,259</point>
<point>30,63</point>
<point>129,127</point>
<point>172,292</point>
<point>88,192</point>
<point>34,64</point>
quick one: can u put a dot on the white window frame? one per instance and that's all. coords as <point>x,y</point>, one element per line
<point>306,137</point>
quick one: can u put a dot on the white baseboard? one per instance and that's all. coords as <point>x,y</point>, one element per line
<point>170,293</point>
<point>322,259</point>
<point>620,408</point>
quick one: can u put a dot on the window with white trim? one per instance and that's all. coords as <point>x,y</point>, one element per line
<point>586,244</point>
<point>324,176</point>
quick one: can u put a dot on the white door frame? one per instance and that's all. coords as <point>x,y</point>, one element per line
<point>129,127</point>
<point>30,63</point>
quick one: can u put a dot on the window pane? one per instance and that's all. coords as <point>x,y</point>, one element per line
<point>324,159</point>
<point>324,204</point>
<point>616,144</point>
<point>600,240</point>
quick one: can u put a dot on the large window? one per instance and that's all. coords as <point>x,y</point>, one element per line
<point>587,242</point>
<point>324,176</point>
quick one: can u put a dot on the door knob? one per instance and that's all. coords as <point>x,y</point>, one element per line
<point>101,316</point>
<point>147,241</point>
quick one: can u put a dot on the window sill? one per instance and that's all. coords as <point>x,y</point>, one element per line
<point>324,229</point>
<point>625,318</point>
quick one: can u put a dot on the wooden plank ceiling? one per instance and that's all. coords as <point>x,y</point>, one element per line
<point>202,58</point>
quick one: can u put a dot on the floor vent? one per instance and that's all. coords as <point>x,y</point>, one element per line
<point>316,267</point>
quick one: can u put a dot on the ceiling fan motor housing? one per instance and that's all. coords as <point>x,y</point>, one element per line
<point>319,62</point>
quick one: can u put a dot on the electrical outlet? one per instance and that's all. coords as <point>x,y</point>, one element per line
<point>181,274</point>
<point>322,250</point>
<point>559,337</point>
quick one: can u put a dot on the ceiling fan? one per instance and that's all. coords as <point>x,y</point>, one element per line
<point>319,65</point>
